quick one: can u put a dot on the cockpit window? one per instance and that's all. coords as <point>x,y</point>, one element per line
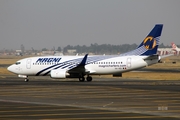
<point>17,63</point>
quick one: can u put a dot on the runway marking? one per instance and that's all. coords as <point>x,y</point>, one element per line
<point>108,104</point>
<point>119,99</point>
<point>87,107</point>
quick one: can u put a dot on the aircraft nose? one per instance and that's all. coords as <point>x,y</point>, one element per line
<point>11,68</point>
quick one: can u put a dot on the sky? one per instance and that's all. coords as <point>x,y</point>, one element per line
<point>58,23</point>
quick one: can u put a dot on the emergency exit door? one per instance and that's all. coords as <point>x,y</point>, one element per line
<point>28,63</point>
<point>128,63</point>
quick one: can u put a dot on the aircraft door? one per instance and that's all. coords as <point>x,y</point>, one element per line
<point>28,63</point>
<point>128,63</point>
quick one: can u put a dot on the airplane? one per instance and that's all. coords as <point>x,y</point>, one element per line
<point>164,51</point>
<point>62,67</point>
<point>175,49</point>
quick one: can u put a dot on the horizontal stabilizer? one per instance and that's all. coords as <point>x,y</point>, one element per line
<point>152,57</point>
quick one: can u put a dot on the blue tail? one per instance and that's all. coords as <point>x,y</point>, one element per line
<point>150,44</point>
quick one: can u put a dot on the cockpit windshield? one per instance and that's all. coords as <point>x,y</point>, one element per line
<point>17,63</point>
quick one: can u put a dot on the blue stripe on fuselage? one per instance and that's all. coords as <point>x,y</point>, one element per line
<point>70,66</point>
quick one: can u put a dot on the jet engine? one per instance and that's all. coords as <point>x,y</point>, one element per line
<point>59,74</point>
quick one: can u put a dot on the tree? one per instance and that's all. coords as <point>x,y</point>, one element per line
<point>22,48</point>
<point>59,49</point>
<point>44,49</point>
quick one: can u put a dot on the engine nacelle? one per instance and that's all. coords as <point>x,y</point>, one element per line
<point>59,74</point>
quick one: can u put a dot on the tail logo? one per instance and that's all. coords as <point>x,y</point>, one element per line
<point>149,43</point>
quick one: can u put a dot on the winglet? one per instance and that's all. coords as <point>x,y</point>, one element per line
<point>83,62</point>
<point>80,67</point>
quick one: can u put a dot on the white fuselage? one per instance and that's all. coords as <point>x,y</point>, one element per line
<point>41,66</point>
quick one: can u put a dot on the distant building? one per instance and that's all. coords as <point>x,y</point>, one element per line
<point>47,53</point>
<point>57,53</point>
<point>18,53</point>
<point>71,51</point>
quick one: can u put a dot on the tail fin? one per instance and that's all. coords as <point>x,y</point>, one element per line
<point>150,44</point>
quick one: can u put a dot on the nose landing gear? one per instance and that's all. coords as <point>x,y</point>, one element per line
<point>26,79</point>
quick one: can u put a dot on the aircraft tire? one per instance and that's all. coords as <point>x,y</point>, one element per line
<point>89,78</point>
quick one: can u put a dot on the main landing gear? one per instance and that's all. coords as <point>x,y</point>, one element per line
<point>88,78</point>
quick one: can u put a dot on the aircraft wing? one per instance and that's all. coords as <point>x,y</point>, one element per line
<point>80,67</point>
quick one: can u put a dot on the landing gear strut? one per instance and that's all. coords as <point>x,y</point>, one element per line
<point>25,77</point>
<point>81,79</point>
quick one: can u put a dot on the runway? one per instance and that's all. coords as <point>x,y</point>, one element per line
<point>103,98</point>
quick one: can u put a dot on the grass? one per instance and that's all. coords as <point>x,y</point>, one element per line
<point>4,71</point>
<point>7,61</point>
<point>10,59</point>
<point>152,75</point>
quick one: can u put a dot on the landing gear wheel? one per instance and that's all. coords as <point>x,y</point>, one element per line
<point>81,79</point>
<point>89,78</point>
<point>26,80</point>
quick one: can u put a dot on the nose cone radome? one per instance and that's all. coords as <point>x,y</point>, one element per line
<point>11,69</point>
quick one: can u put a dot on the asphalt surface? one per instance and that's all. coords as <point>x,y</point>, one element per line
<point>103,98</point>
